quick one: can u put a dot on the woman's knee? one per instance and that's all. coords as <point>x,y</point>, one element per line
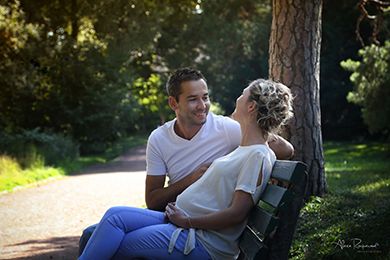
<point>114,210</point>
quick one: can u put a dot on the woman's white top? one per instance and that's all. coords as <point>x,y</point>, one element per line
<point>215,190</point>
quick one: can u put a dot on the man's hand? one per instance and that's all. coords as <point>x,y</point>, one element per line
<point>199,172</point>
<point>157,196</point>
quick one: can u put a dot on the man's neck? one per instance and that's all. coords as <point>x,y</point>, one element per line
<point>186,132</point>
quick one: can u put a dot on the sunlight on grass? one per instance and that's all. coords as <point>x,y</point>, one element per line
<point>380,188</point>
<point>13,177</point>
<point>357,207</point>
<point>85,161</point>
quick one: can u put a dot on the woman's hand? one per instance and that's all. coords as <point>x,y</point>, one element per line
<point>176,215</point>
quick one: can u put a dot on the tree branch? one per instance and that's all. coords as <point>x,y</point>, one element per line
<point>377,19</point>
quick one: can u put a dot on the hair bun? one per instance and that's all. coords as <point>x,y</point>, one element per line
<point>274,104</point>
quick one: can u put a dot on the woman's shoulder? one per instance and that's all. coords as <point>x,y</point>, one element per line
<point>258,151</point>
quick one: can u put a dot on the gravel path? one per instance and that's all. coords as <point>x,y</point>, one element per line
<point>45,222</point>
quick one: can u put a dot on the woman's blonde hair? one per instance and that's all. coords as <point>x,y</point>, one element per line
<point>274,104</point>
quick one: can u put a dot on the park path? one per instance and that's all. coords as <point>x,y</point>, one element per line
<point>46,221</point>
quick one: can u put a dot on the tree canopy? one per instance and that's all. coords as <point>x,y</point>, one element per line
<point>95,70</point>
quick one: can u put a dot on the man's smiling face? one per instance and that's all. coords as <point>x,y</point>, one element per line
<point>193,104</point>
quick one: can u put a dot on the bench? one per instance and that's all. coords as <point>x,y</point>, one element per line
<point>271,225</point>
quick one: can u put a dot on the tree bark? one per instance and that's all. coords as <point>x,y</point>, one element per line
<point>74,19</point>
<point>295,44</point>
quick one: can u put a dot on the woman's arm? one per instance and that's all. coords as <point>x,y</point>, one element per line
<point>236,213</point>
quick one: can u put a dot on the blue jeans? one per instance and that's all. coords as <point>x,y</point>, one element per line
<point>134,233</point>
<point>87,233</point>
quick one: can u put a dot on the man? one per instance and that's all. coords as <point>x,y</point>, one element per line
<point>184,148</point>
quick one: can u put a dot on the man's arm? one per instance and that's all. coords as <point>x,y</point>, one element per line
<point>281,147</point>
<point>157,196</point>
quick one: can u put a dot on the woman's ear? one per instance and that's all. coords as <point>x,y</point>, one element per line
<point>252,107</point>
<point>172,103</point>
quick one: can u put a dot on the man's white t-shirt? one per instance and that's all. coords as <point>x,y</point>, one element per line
<point>168,153</point>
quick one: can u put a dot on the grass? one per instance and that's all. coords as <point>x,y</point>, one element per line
<point>13,177</point>
<point>352,220</point>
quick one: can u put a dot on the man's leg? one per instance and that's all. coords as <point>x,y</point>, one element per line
<point>115,224</point>
<point>87,233</point>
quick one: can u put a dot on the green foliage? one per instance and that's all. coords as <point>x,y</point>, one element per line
<point>217,109</point>
<point>226,40</point>
<point>372,86</point>
<point>94,105</point>
<point>32,148</point>
<point>153,100</point>
<point>95,71</point>
<point>64,73</point>
<point>12,177</point>
<point>356,210</point>
<point>9,168</point>
<point>16,75</point>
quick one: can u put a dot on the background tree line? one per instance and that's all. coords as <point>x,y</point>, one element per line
<point>93,71</point>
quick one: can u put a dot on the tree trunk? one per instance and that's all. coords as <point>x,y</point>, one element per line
<point>74,19</point>
<point>295,61</point>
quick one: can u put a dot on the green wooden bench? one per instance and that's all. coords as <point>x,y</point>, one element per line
<point>272,222</point>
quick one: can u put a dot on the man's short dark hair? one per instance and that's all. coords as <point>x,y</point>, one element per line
<point>181,75</point>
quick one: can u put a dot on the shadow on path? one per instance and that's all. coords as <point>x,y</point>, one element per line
<point>64,248</point>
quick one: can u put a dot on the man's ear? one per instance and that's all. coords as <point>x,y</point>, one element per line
<point>172,103</point>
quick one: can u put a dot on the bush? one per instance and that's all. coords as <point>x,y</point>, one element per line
<point>372,86</point>
<point>33,149</point>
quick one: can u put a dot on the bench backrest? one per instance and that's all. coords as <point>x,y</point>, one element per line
<point>272,222</point>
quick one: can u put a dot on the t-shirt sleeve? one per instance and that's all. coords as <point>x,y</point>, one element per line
<point>155,164</point>
<point>249,173</point>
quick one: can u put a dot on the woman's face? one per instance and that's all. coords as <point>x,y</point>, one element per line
<point>242,103</point>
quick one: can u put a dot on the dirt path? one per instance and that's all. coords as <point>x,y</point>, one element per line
<point>45,222</point>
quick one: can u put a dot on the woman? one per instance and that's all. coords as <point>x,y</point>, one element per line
<point>210,215</point>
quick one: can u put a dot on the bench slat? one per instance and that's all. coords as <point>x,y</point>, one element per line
<point>267,225</point>
<point>288,171</point>
<point>251,246</point>
<point>277,197</point>
<point>262,239</point>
